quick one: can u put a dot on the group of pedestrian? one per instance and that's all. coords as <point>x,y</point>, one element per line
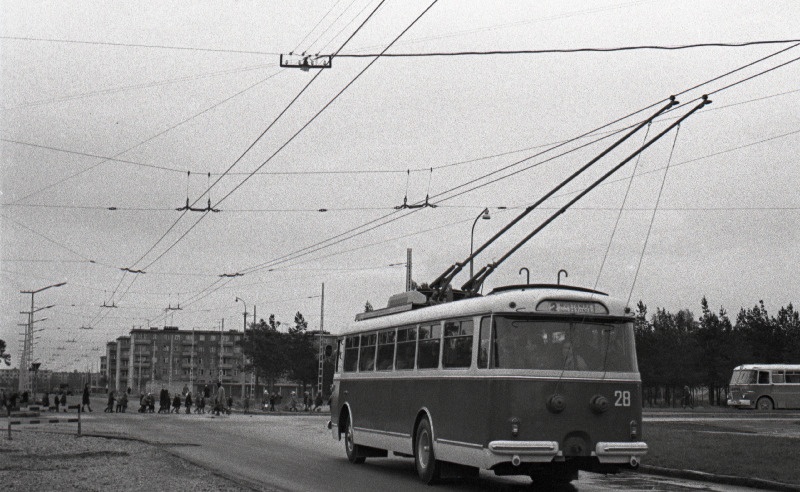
<point>309,403</point>
<point>121,402</point>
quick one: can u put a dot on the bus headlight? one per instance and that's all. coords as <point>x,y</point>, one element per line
<point>556,404</point>
<point>634,430</point>
<point>599,404</point>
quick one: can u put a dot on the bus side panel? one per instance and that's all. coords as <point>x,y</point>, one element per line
<point>474,410</point>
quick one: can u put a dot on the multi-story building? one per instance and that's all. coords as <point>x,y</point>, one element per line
<point>184,360</point>
<point>151,359</point>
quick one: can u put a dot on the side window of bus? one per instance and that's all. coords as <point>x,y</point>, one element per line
<point>485,343</point>
<point>366,360</point>
<point>778,377</point>
<point>457,344</point>
<point>406,348</point>
<point>793,377</point>
<point>351,353</point>
<point>763,377</point>
<point>430,337</point>
<point>385,350</point>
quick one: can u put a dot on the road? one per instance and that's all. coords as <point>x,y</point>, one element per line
<point>297,453</point>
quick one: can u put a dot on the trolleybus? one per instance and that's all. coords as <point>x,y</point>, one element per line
<point>537,380</point>
<point>765,386</point>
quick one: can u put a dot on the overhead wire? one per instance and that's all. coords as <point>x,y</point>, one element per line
<point>308,250</point>
<point>572,50</point>
<point>291,103</point>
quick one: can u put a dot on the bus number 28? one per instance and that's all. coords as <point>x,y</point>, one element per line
<point>623,398</point>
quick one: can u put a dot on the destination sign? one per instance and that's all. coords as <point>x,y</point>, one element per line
<point>571,307</point>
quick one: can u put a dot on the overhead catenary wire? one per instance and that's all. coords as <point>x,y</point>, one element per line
<point>572,50</point>
<point>371,224</point>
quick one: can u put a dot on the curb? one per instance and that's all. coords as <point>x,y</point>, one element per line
<point>756,483</point>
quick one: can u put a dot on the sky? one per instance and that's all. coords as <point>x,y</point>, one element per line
<point>114,114</point>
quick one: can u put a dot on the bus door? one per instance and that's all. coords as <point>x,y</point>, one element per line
<point>793,388</point>
<point>779,394</point>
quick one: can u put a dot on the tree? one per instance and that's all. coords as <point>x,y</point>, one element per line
<point>303,361</point>
<point>715,336</point>
<point>368,307</point>
<point>266,348</point>
<point>3,355</point>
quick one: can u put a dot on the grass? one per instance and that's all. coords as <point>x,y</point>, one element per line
<point>723,450</point>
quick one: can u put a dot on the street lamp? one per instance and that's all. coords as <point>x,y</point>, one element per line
<point>27,348</point>
<point>485,216</point>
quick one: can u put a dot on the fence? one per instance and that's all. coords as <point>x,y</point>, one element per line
<point>36,420</point>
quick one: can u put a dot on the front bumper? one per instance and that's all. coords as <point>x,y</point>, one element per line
<point>740,403</point>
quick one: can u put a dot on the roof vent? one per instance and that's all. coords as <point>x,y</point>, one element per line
<point>410,297</point>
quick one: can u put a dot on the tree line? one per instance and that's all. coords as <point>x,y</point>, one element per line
<point>275,354</point>
<point>676,350</point>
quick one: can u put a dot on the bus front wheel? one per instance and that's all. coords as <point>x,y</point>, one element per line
<point>424,457</point>
<point>764,403</point>
<point>350,447</point>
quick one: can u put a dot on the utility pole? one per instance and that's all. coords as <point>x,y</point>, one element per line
<point>408,270</point>
<point>253,372</point>
<point>321,331</point>
<point>221,334</point>
<point>153,365</point>
<point>169,378</point>
<point>191,365</point>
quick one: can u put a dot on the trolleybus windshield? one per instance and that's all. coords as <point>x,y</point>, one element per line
<point>549,344</point>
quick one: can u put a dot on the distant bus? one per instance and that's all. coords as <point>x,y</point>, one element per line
<point>765,386</point>
<point>527,380</point>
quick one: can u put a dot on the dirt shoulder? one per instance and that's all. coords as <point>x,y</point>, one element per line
<point>39,460</point>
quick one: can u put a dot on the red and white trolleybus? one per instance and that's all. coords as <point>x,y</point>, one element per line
<point>537,380</point>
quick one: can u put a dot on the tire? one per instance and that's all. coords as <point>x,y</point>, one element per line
<point>428,468</point>
<point>350,447</point>
<point>764,403</point>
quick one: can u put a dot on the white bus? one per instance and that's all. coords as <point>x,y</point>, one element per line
<point>537,380</point>
<point>765,386</point>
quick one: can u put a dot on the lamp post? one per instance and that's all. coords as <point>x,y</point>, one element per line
<point>27,348</point>
<point>485,216</point>
<point>244,331</point>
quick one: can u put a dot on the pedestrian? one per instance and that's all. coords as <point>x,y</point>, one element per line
<point>63,401</point>
<point>206,392</point>
<point>46,400</point>
<point>219,401</point>
<point>687,397</point>
<point>176,403</point>
<point>306,401</point>
<point>246,404</point>
<point>85,401</point>
<point>110,404</point>
<point>293,402</point>
<point>318,402</point>
<point>124,401</point>
<point>272,402</point>
<point>202,408</point>
<point>142,404</point>
<point>188,402</point>
<point>151,403</point>
<point>57,401</point>
<point>119,402</point>
<point>229,405</point>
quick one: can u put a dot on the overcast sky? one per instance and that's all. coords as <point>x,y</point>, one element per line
<point>129,105</point>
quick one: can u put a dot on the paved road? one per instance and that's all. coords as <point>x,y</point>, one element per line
<point>297,453</point>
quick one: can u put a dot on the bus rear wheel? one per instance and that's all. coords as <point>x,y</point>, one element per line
<point>764,403</point>
<point>350,447</point>
<point>428,468</point>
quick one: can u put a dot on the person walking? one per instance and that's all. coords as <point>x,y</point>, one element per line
<point>188,402</point>
<point>272,402</point>
<point>63,399</point>
<point>293,402</point>
<point>318,402</point>
<point>176,403</point>
<point>85,401</point>
<point>219,401</point>
<point>110,405</point>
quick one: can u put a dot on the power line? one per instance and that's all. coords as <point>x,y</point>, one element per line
<point>137,45</point>
<point>569,50</point>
